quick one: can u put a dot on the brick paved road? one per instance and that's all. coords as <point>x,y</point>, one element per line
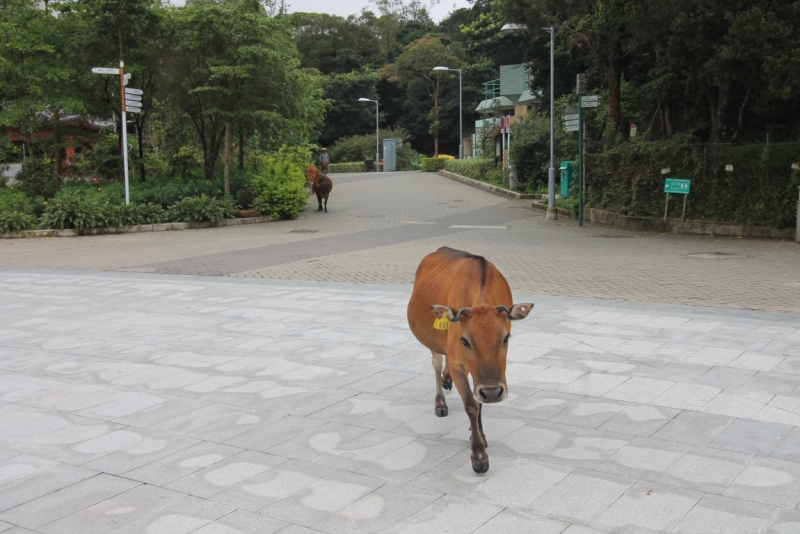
<point>377,233</point>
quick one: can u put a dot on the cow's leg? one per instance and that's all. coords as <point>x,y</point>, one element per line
<point>319,201</point>
<point>326,203</point>
<point>447,381</point>
<point>480,425</point>
<point>440,402</point>
<point>480,459</point>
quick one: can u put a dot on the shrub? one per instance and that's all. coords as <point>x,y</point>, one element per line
<point>433,164</point>
<point>167,192</point>
<point>474,168</point>
<point>14,221</point>
<point>346,167</point>
<point>136,214</point>
<point>245,199</point>
<point>530,151</point>
<point>200,209</point>
<point>78,208</point>
<point>279,186</point>
<point>37,178</point>
<point>357,148</point>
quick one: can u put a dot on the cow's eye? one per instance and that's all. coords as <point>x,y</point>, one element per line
<point>465,343</point>
<point>505,341</point>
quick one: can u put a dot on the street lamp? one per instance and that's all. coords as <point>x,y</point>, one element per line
<point>460,110</point>
<point>377,133</point>
<point>552,214</point>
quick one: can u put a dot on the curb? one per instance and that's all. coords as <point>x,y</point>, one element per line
<point>161,227</point>
<point>484,185</point>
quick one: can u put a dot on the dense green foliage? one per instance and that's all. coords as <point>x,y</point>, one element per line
<point>279,186</point>
<point>358,148</point>
<point>433,164</point>
<point>201,209</point>
<point>346,167</point>
<point>475,168</point>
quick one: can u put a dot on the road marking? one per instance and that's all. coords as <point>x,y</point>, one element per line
<point>468,226</point>
<point>418,222</point>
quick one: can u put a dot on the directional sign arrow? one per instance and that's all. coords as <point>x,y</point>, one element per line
<point>104,70</point>
<point>133,98</point>
<point>132,91</point>
<point>131,105</point>
<point>590,104</point>
<point>572,123</point>
<point>133,110</point>
<point>571,117</point>
<point>591,98</point>
<point>571,129</point>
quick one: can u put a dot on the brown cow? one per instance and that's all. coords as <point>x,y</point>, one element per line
<point>320,184</point>
<point>476,301</point>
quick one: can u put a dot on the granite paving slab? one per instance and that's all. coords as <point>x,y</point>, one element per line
<point>151,403</point>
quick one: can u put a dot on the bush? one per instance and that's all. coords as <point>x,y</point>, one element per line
<point>474,168</point>
<point>279,186</point>
<point>15,221</point>
<point>78,208</point>
<point>530,151</point>
<point>135,214</point>
<point>433,164</point>
<point>627,179</point>
<point>346,167</point>
<point>357,148</point>
<point>201,209</point>
<point>37,178</point>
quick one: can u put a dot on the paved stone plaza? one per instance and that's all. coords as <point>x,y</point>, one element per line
<point>279,396</point>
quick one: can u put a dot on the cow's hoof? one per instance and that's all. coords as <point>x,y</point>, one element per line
<point>441,411</point>
<point>480,466</point>
<point>447,383</point>
<point>319,209</point>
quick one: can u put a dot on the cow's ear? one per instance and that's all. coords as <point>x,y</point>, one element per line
<point>444,311</point>
<point>520,311</point>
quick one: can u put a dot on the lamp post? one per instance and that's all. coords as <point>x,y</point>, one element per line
<point>460,110</point>
<point>552,214</point>
<point>377,133</point>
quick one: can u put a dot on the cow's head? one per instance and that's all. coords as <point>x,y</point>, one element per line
<point>479,337</point>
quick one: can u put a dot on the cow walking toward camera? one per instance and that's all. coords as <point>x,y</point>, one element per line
<point>319,184</point>
<point>461,307</point>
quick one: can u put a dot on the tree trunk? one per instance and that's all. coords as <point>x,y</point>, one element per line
<point>668,118</point>
<point>57,144</point>
<point>31,154</point>
<point>227,158</point>
<point>719,115</point>
<point>614,101</point>
<point>241,148</point>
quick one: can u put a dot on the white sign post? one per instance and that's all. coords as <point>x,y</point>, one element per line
<point>129,99</point>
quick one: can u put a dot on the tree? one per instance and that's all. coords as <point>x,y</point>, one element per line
<point>347,116</point>
<point>414,71</point>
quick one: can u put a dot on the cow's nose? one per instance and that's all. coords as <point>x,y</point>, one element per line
<point>491,394</point>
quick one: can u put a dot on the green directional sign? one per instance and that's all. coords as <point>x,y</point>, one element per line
<point>677,186</point>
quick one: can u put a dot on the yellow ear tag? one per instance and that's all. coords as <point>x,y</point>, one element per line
<point>442,323</point>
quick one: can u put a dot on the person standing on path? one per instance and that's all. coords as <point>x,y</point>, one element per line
<point>324,159</point>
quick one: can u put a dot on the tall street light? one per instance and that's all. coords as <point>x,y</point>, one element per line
<point>552,214</point>
<point>460,110</point>
<point>377,133</point>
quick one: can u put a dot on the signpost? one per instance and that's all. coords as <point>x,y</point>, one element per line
<point>677,186</point>
<point>130,101</point>
<point>573,122</point>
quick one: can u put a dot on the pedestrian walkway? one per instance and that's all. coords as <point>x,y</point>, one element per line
<point>150,403</point>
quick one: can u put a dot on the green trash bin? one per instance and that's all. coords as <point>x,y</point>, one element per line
<point>567,176</point>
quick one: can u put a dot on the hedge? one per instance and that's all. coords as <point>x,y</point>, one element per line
<point>357,166</point>
<point>475,168</point>
<point>760,191</point>
<point>433,164</point>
